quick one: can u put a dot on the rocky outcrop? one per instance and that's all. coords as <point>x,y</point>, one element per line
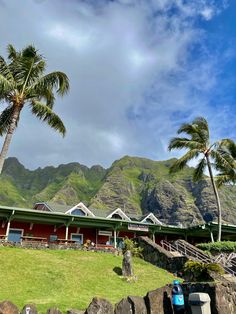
<point>137,185</point>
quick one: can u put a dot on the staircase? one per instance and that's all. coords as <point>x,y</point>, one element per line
<point>186,249</point>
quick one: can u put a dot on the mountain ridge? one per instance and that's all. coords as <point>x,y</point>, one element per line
<point>137,185</point>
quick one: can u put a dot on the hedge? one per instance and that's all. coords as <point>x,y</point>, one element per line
<point>218,247</point>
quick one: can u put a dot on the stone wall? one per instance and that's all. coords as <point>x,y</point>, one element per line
<point>156,255</point>
<point>223,301</point>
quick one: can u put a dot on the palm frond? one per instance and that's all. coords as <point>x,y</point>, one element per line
<point>182,162</point>
<point>5,119</point>
<point>222,159</point>
<point>182,142</point>
<point>54,80</point>
<point>5,85</point>
<point>5,71</point>
<point>46,114</point>
<point>223,178</point>
<point>12,53</point>
<point>198,173</point>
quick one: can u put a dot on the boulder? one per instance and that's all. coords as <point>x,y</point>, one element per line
<point>138,305</point>
<point>123,307</point>
<point>54,310</point>
<point>29,309</point>
<point>127,270</point>
<point>159,301</point>
<point>7,307</point>
<point>99,306</point>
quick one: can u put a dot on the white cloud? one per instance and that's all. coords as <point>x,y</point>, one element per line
<point>131,71</point>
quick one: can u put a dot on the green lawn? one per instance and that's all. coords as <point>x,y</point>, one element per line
<point>70,279</point>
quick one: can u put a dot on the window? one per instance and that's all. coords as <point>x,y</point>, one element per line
<point>119,242</point>
<point>116,216</point>
<point>78,212</point>
<point>77,237</point>
<point>53,238</point>
<point>15,235</point>
<point>149,221</point>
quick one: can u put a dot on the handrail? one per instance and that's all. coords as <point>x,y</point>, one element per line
<point>195,254</point>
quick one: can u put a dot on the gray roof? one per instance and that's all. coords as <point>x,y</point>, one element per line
<point>103,213</point>
<point>58,207</point>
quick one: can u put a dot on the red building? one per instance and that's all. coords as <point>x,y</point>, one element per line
<point>51,223</point>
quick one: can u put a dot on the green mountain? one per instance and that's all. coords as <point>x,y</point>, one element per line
<point>137,185</point>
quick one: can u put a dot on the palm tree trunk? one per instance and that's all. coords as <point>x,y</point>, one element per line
<point>216,196</point>
<point>8,137</point>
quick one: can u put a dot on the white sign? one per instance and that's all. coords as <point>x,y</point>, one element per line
<point>135,227</point>
<point>105,233</point>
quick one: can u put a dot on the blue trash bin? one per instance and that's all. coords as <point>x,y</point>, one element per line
<point>178,298</point>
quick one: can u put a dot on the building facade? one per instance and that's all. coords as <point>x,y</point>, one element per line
<point>52,223</point>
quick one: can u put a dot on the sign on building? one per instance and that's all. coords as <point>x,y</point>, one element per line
<point>136,227</point>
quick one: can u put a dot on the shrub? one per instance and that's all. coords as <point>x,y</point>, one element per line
<point>218,247</point>
<point>132,246</point>
<point>197,271</point>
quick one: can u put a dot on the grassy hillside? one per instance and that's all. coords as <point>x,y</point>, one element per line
<point>70,279</point>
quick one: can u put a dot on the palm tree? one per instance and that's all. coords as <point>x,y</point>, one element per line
<point>227,174</point>
<point>198,146</point>
<point>23,82</point>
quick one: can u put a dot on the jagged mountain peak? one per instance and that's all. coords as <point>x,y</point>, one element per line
<point>140,185</point>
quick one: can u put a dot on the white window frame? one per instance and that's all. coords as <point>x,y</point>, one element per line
<point>16,229</point>
<point>81,234</point>
<point>119,212</point>
<point>82,207</point>
<point>153,218</point>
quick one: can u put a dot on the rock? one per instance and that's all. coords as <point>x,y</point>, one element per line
<point>127,270</point>
<point>99,306</point>
<point>138,305</point>
<point>7,307</point>
<point>54,311</point>
<point>123,307</point>
<point>29,309</point>
<point>74,312</point>
<point>159,301</point>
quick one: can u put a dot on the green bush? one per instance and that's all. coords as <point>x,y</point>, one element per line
<point>132,246</point>
<point>218,247</point>
<point>197,271</point>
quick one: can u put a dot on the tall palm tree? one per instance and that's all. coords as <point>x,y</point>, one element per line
<point>23,82</point>
<point>227,174</point>
<point>198,146</point>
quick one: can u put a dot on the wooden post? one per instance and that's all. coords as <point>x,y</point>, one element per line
<point>153,237</point>
<point>67,231</point>
<point>212,237</point>
<point>96,243</point>
<point>8,229</point>
<point>115,240</point>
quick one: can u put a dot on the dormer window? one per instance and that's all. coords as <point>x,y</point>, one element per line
<point>118,214</point>
<point>151,219</point>
<point>78,212</point>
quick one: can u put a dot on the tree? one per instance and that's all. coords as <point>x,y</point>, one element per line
<point>23,82</point>
<point>227,174</point>
<point>198,146</point>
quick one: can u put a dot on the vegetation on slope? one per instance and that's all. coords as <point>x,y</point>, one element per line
<point>70,279</point>
<point>137,185</point>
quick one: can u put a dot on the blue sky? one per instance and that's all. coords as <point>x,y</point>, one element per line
<point>137,69</point>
